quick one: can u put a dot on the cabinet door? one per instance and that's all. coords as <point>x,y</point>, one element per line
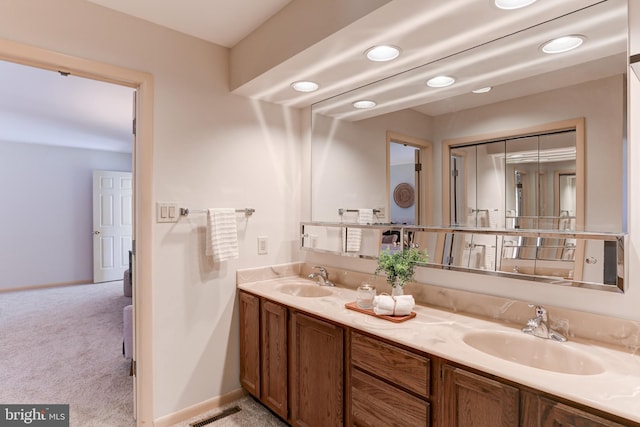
<point>540,411</point>
<point>250,343</point>
<point>316,372</point>
<point>274,358</point>
<point>475,401</point>
<point>375,403</point>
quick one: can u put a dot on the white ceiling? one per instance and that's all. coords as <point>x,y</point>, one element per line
<point>224,22</point>
<point>43,107</point>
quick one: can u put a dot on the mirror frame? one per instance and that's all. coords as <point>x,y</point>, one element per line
<point>580,203</point>
<point>436,259</point>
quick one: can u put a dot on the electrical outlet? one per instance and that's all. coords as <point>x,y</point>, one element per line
<point>262,245</point>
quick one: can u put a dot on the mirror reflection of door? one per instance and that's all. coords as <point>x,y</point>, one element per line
<point>404,179</point>
<point>463,186</point>
<point>458,186</point>
<point>408,190</point>
<point>566,199</point>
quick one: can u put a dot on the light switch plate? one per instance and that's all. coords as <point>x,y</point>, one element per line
<point>167,212</point>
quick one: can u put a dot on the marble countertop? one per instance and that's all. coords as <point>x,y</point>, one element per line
<point>441,333</point>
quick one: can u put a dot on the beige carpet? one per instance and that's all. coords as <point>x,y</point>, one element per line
<point>64,345</point>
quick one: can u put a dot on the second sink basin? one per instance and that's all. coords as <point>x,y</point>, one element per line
<point>533,352</point>
<point>304,290</point>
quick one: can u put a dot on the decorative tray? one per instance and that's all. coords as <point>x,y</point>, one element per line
<point>396,319</point>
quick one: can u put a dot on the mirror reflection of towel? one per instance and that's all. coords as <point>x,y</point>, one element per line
<point>493,218</point>
<point>354,235</point>
<point>483,218</point>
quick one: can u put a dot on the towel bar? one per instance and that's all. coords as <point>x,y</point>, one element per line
<point>342,211</point>
<point>187,211</point>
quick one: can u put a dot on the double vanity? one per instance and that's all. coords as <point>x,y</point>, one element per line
<point>314,362</point>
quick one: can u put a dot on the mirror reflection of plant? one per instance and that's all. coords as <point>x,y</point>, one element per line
<point>399,266</point>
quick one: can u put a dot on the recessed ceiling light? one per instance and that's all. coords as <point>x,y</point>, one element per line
<point>482,90</point>
<point>382,53</point>
<point>513,4</point>
<point>364,104</point>
<point>441,81</point>
<point>304,86</point>
<point>563,44</point>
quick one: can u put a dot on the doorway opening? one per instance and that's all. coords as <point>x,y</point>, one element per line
<point>142,171</point>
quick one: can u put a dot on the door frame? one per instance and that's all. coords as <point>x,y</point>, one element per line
<point>143,189</point>
<point>426,159</point>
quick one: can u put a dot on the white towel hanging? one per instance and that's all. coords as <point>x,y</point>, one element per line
<point>222,234</point>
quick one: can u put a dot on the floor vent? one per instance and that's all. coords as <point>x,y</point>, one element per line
<point>217,417</point>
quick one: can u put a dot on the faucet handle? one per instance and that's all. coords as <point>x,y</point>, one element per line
<point>541,312</point>
<point>323,271</point>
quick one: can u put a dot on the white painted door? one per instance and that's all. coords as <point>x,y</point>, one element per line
<point>112,224</point>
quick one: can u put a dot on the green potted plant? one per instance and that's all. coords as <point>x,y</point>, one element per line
<point>399,267</point>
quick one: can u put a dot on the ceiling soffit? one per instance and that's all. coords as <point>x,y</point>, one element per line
<point>426,30</point>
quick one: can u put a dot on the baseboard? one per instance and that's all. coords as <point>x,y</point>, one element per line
<point>199,408</point>
<point>48,285</point>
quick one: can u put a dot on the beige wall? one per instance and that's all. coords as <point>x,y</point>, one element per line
<point>210,149</point>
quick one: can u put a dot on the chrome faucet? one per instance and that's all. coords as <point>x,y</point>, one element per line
<point>322,276</point>
<point>537,326</point>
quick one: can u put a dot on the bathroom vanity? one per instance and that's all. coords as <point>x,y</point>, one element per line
<point>314,362</point>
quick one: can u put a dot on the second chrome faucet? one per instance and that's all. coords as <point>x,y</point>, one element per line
<point>322,276</point>
<point>538,327</point>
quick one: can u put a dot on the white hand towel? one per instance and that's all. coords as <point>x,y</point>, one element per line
<point>493,218</point>
<point>222,234</point>
<point>393,306</point>
<point>354,235</point>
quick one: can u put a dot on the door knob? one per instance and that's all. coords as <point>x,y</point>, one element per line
<point>96,232</point>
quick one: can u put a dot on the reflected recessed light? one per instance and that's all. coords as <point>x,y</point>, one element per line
<point>482,90</point>
<point>563,44</point>
<point>304,86</point>
<point>382,53</point>
<point>364,104</point>
<point>441,81</point>
<point>513,4</point>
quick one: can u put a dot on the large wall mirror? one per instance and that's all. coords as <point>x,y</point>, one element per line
<point>542,178</point>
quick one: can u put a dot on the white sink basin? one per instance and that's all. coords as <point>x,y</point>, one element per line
<point>305,290</point>
<point>533,352</point>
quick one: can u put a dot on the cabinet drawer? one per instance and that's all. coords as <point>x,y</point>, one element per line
<point>401,367</point>
<point>375,403</point>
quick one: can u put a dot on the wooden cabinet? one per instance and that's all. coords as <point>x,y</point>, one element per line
<point>476,401</point>
<point>299,367</point>
<point>264,352</point>
<point>540,411</point>
<point>389,385</point>
<point>469,399</point>
<point>274,336</point>
<point>316,372</point>
<point>250,343</point>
